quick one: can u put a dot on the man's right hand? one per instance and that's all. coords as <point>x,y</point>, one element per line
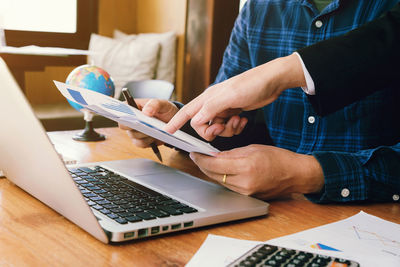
<point>160,109</point>
<point>215,111</point>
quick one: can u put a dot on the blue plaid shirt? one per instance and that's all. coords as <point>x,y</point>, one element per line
<point>358,146</point>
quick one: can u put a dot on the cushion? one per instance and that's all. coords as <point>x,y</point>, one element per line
<point>165,69</point>
<point>125,61</point>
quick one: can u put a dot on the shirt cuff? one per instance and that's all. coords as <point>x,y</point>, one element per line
<point>344,178</point>
<point>310,88</point>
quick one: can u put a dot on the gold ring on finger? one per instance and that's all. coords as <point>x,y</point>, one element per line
<point>224,178</point>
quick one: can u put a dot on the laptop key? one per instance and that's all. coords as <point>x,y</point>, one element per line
<point>97,207</point>
<point>84,191</point>
<point>170,202</point>
<point>121,202</point>
<point>179,206</point>
<point>96,198</point>
<point>73,170</point>
<point>158,213</point>
<point>103,202</point>
<point>170,210</point>
<point>116,210</point>
<point>112,216</point>
<point>133,219</point>
<point>188,210</point>
<point>146,216</point>
<point>91,203</point>
<point>110,206</point>
<point>92,187</point>
<point>135,210</point>
<point>89,195</point>
<point>105,211</point>
<point>121,221</point>
<point>106,195</point>
<point>87,170</point>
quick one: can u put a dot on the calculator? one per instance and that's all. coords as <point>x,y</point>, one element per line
<point>268,255</point>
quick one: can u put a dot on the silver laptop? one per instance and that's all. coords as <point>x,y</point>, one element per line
<point>113,201</point>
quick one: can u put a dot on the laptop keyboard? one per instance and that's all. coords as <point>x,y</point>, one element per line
<point>122,199</point>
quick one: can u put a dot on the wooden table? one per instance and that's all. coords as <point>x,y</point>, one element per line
<point>31,234</point>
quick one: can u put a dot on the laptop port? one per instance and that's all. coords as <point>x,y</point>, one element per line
<point>175,226</point>
<point>155,230</point>
<point>188,224</point>
<point>165,228</point>
<point>142,232</point>
<point>129,235</point>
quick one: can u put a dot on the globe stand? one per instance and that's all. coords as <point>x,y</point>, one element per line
<point>88,134</point>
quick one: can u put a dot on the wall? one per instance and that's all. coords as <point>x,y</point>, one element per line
<point>163,16</point>
<point>130,16</point>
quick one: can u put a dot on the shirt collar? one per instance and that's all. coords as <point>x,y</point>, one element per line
<point>329,8</point>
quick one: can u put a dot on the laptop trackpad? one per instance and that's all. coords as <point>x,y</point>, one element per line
<point>170,181</point>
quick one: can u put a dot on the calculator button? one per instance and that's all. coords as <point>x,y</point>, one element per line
<point>246,263</point>
<point>279,258</point>
<point>321,261</point>
<point>342,261</point>
<point>313,264</point>
<point>267,249</point>
<point>272,263</point>
<point>296,262</point>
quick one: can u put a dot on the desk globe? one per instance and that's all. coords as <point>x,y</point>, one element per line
<point>95,79</point>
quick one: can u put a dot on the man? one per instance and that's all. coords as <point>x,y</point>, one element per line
<point>350,155</point>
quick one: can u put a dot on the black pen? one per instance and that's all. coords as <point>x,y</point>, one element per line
<point>132,103</point>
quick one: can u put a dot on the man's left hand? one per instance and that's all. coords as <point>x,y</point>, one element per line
<point>263,171</point>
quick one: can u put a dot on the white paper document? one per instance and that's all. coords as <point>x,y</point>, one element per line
<point>363,238</point>
<point>220,251</point>
<point>123,113</point>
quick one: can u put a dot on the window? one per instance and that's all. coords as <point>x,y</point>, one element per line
<point>39,15</point>
<point>59,23</point>
<point>86,22</point>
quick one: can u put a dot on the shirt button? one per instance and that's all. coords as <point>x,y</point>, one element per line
<point>318,24</point>
<point>345,192</point>
<point>311,119</point>
<point>396,197</point>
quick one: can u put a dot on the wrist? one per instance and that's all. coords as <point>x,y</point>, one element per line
<point>292,74</point>
<point>309,176</point>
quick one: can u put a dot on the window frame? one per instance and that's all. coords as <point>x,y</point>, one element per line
<point>87,22</point>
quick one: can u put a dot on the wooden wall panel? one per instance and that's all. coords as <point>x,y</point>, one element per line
<point>209,24</point>
<point>39,86</point>
<point>198,45</point>
<point>162,16</point>
<point>117,14</point>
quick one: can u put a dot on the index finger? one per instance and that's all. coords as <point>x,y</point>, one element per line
<point>204,108</point>
<point>184,114</point>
